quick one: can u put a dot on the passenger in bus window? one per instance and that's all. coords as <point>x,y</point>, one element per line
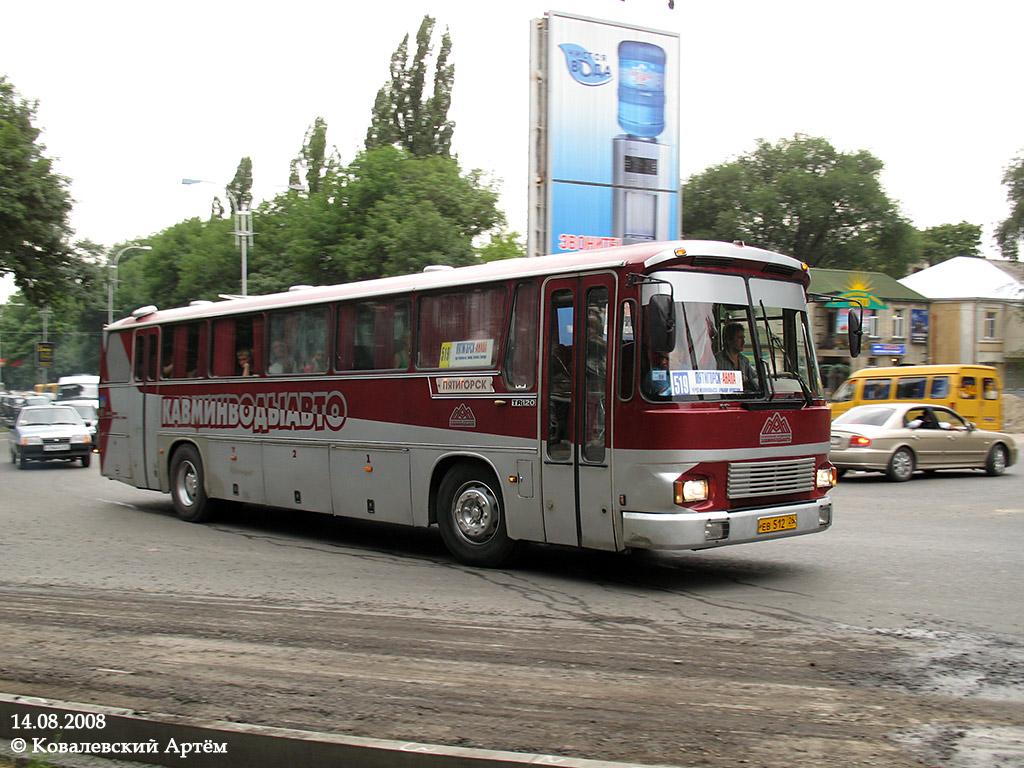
<point>402,349</point>
<point>317,363</point>
<point>731,358</point>
<point>243,360</point>
<point>279,362</point>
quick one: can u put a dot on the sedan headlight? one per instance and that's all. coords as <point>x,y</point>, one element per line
<point>81,439</point>
<point>31,440</point>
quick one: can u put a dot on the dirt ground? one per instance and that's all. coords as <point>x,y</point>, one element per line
<point>714,696</point>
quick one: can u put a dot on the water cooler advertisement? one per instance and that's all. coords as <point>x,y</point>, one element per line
<point>613,134</point>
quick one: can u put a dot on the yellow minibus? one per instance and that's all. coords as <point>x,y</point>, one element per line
<point>973,391</point>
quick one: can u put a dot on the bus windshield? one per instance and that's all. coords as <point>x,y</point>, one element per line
<point>736,338</point>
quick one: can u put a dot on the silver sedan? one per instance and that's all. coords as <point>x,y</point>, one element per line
<point>898,438</point>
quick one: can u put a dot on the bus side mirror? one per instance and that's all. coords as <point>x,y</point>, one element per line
<point>856,333</point>
<point>661,321</point>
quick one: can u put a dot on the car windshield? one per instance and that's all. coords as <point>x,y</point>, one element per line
<point>85,411</point>
<point>40,416</point>
<point>874,415</point>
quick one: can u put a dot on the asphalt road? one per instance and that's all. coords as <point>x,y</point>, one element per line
<point>896,638</point>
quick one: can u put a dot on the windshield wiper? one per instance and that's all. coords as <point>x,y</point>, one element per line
<point>775,343</point>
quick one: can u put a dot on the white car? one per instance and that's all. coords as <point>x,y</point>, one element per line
<point>899,438</point>
<point>47,433</point>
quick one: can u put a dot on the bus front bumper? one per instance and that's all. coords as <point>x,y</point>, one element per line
<point>693,530</point>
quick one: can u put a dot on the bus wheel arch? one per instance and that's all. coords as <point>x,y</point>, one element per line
<point>187,478</point>
<point>469,508</point>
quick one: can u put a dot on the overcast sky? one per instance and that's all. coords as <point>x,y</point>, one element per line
<point>134,96</point>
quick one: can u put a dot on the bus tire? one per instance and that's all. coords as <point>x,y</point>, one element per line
<point>995,464</point>
<point>471,517</point>
<point>901,465</point>
<point>188,489</point>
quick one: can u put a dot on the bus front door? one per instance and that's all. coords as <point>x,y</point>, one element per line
<point>576,414</point>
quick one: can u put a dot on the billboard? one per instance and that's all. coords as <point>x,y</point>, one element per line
<point>604,152</point>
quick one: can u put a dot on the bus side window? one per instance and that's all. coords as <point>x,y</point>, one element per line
<point>627,352</point>
<point>940,387</point>
<point>968,388</point>
<point>140,356</point>
<point>232,335</point>
<point>520,369</point>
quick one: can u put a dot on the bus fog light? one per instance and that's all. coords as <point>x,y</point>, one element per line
<point>716,530</point>
<point>687,491</point>
<point>824,514</point>
<point>827,477</point>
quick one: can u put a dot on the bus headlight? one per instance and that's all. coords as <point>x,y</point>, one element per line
<point>826,477</point>
<point>690,489</point>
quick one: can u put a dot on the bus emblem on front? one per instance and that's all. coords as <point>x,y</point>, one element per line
<point>776,430</point>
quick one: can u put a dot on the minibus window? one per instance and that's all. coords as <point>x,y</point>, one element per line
<point>990,389</point>
<point>968,388</point>
<point>940,387</point>
<point>877,389</point>
<point>910,388</point>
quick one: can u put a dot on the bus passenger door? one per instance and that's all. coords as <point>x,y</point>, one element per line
<point>576,414</point>
<point>142,432</point>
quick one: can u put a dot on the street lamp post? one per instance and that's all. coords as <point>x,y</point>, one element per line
<point>3,363</point>
<point>243,229</point>
<point>112,277</point>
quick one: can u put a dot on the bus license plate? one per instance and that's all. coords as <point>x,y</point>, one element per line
<point>779,523</point>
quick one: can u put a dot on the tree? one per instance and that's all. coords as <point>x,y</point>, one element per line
<point>313,159</point>
<point>1011,230</point>
<point>34,203</point>
<point>946,241</point>
<point>241,184</point>
<point>804,198</point>
<point>401,116</point>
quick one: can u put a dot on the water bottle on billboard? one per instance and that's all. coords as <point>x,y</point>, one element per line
<point>641,88</point>
<point>642,189</point>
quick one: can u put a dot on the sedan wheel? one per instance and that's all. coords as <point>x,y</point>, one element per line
<point>996,462</point>
<point>901,465</point>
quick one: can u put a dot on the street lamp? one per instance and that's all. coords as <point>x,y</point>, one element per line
<point>112,277</point>
<point>3,363</point>
<point>243,229</point>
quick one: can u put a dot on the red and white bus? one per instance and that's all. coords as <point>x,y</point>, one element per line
<point>588,400</point>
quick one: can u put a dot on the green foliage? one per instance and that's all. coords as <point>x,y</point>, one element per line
<point>804,198</point>
<point>34,204</point>
<point>241,184</point>
<point>503,245</point>
<point>947,241</point>
<point>76,318</point>
<point>313,159</point>
<point>401,116</point>
<point>1010,231</point>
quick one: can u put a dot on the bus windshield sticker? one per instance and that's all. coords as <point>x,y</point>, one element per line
<point>700,382</point>
<point>472,353</point>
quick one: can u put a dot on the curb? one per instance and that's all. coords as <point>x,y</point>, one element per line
<point>161,739</point>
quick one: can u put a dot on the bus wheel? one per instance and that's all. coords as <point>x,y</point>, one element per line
<point>901,465</point>
<point>187,486</point>
<point>995,465</point>
<point>472,518</point>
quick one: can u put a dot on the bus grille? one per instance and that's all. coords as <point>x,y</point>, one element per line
<point>770,478</point>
